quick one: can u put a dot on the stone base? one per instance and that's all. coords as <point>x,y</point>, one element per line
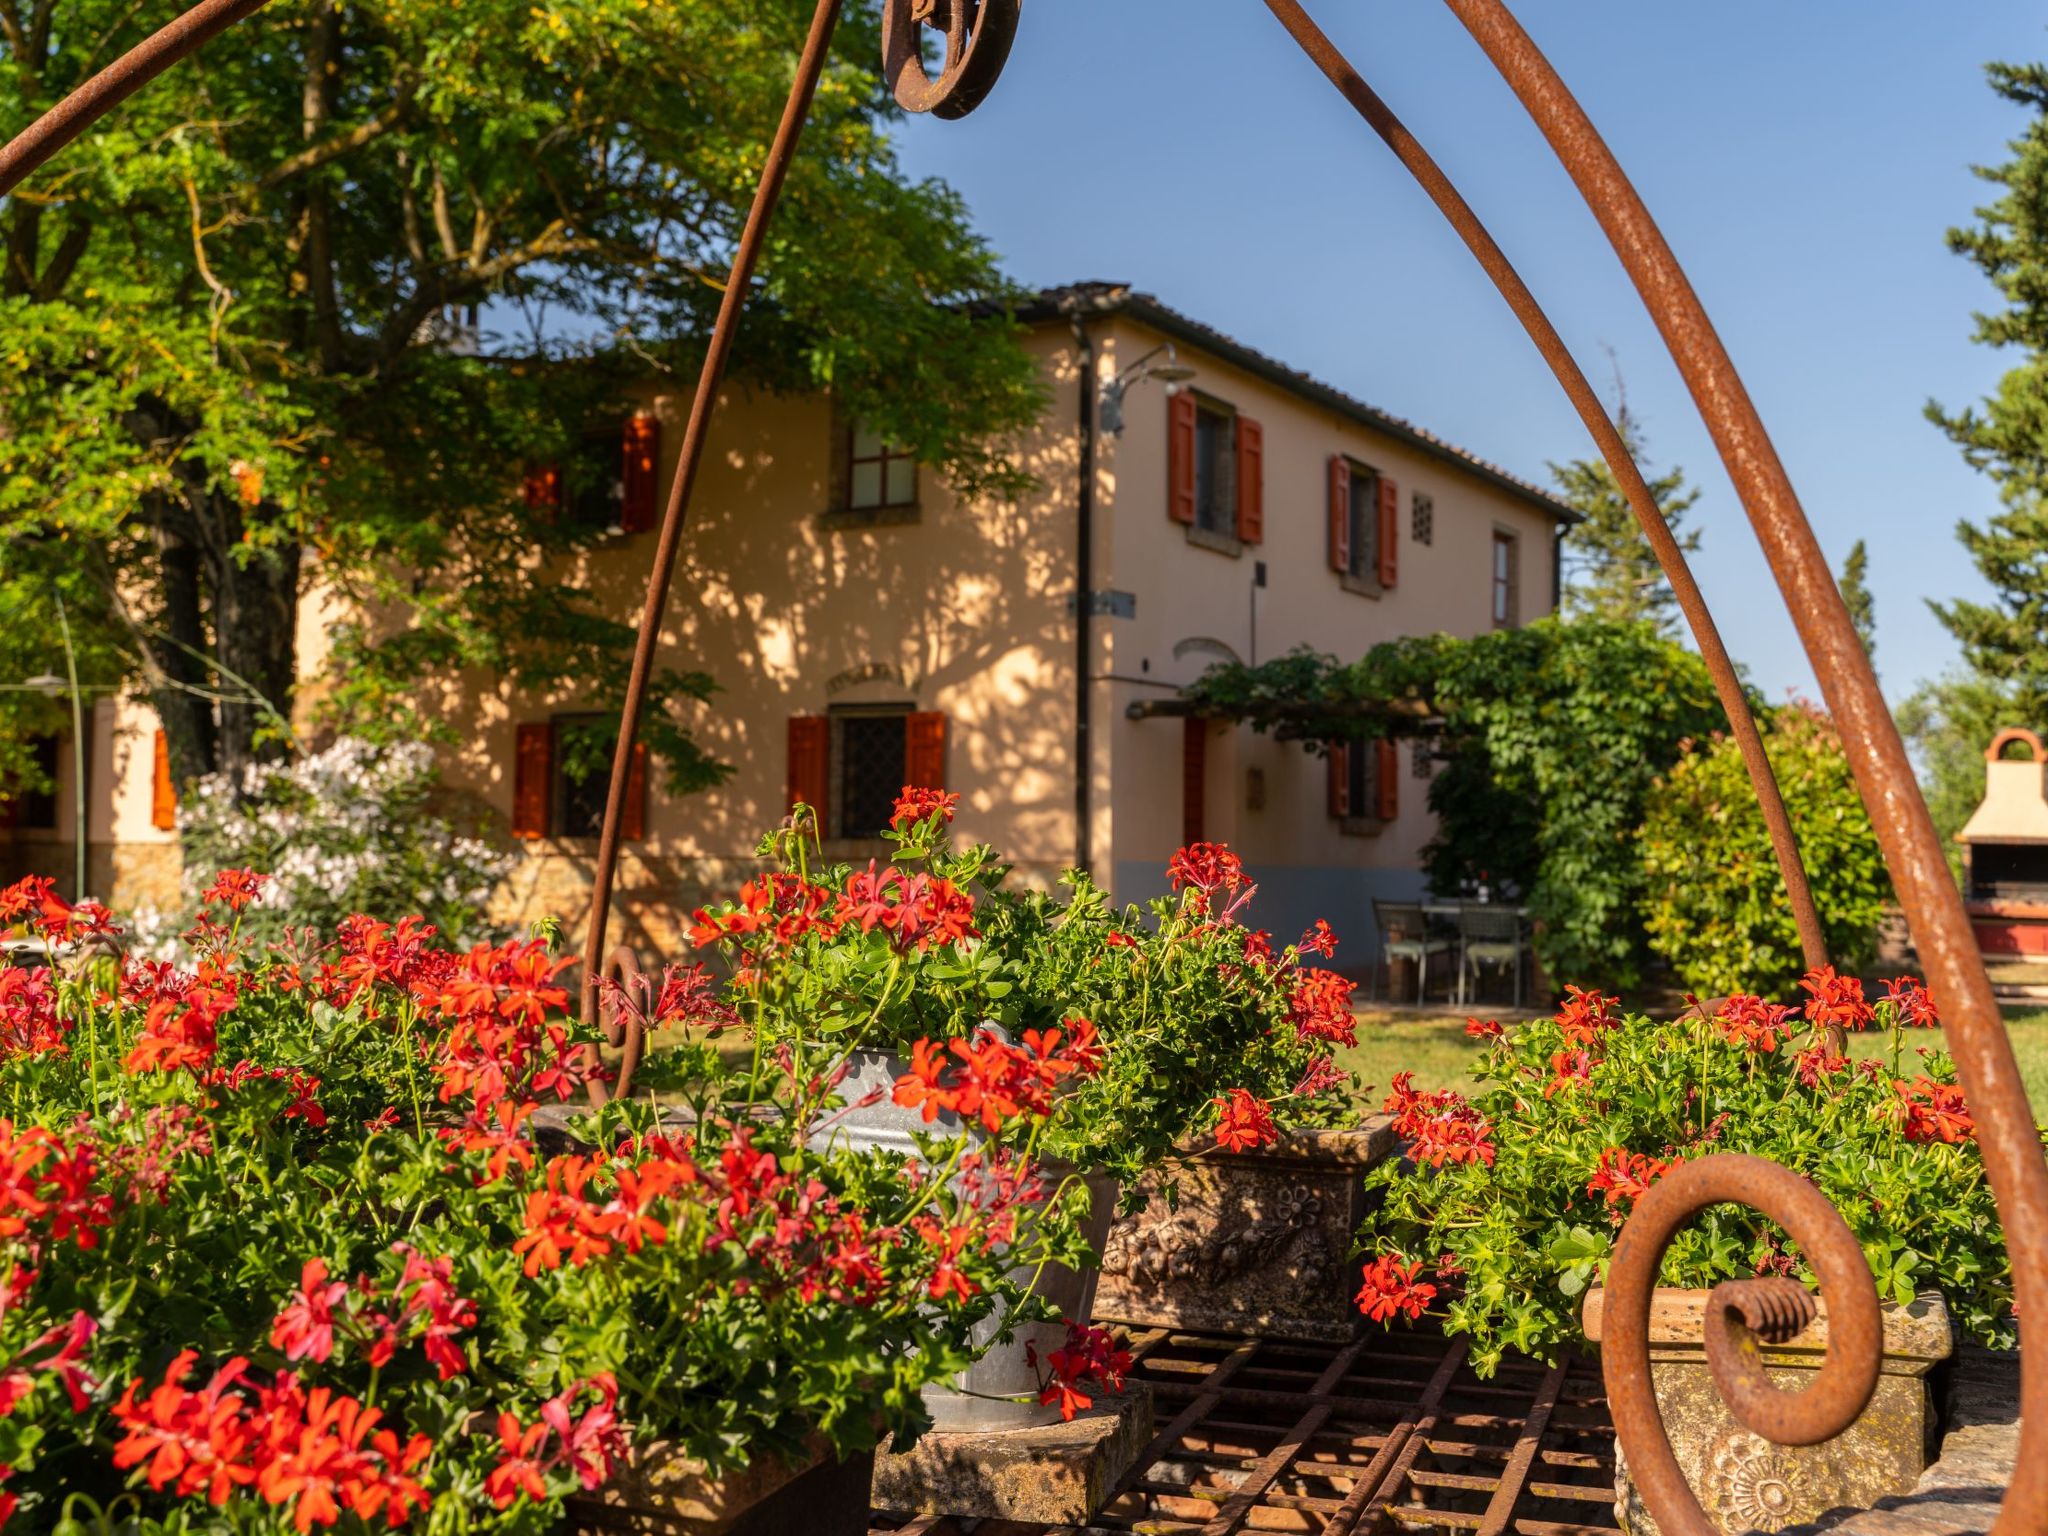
<point>661,1493</point>
<point>1058,1474</point>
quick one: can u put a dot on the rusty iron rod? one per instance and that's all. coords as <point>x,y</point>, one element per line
<point>115,84</point>
<point>773,172</point>
<point>1727,684</point>
<point>1934,908</point>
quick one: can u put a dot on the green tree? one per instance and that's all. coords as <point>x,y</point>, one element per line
<point>1716,900</point>
<point>1611,573</point>
<point>239,357</point>
<point>1854,582</point>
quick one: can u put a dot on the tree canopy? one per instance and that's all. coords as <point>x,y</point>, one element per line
<point>1610,570</point>
<point>238,358</point>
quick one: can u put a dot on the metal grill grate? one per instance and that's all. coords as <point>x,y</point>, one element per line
<point>1390,1434</point>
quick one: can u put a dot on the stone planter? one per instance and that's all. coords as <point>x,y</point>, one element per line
<point>1254,1242</point>
<point>661,1493</point>
<point>986,1395</point>
<point>1744,1482</point>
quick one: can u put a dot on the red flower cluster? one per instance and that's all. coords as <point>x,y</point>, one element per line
<point>1390,1287</point>
<point>48,1188</point>
<point>373,954</point>
<point>574,1220</point>
<point>1568,1070</point>
<point>1934,1111</point>
<point>181,1014</point>
<point>1322,1075</point>
<point>1205,867</point>
<point>916,806</point>
<point>29,1022</point>
<point>1488,1029</point>
<point>234,889</point>
<point>320,1452</point>
<point>33,901</point>
<point>1091,1357</point>
<point>427,1310</point>
<point>1320,1006</point>
<point>1244,1121</point>
<point>915,911</point>
<point>1586,1016</point>
<point>501,1039</point>
<point>993,1081</point>
<point>590,1446</point>
<point>62,1351</point>
<point>304,1104</point>
<point>1624,1175</point>
<point>1754,1024</point>
<point>1439,1127</point>
<point>778,907</point>
<point>1910,1002</point>
<point>1835,1001</point>
<point>1318,940</point>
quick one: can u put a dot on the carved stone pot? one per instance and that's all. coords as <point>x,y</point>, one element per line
<point>1248,1242</point>
<point>1000,1390</point>
<point>1743,1481</point>
<point>660,1492</point>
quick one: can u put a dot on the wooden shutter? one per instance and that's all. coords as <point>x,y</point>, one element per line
<point>633,814</point>
<point>1194,777</point>
<point>1180,458</point>
<point>533,773</point>
<point>1390,530</point>
<point>544,487</point>
<point>924,750</point>
<point>163,794</point>
<point>643,458</point>
<point>1251,480</point>
<point>810,761</point>
<point>1340,779</point>
<point>1387,780</point>
<point>1340,513</point>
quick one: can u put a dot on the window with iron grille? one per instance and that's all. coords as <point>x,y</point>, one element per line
<point>1215,469</point>
<point>1422,518</point>
<point>870,754</point>
<point>1365,523</point>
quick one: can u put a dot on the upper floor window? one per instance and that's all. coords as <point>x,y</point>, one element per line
<point>1506,563</point>
<point>1215,469</point>
<point>878,473</point>
<point>1215,480</point>
<point>1364,538</point>
<point>595,492</point>
<point>1365,523</point>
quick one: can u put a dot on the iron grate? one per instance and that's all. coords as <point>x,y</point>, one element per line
<point>1390,1434</point>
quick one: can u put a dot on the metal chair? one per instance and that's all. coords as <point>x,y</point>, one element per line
<point>1406,933</point>
<point>1488,935</point>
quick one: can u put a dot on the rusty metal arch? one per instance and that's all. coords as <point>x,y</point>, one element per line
<point>977,36</point>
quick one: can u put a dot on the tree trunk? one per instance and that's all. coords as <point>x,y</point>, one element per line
<point>255,623</point>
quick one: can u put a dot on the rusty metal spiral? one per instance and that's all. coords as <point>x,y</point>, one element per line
<point>977,35</point>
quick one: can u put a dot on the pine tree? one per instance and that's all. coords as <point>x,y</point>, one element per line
<point>1856,594</point>
<point>1611,573</point>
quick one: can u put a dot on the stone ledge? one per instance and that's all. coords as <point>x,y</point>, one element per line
<point>1915,1337</point>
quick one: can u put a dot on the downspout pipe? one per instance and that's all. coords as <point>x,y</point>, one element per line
<point>1084,591</point>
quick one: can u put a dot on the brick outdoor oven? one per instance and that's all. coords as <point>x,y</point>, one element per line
<point>2005,850</point>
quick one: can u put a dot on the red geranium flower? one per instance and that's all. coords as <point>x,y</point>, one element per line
<point>235,889</point>
<point>1915,1009</point>
<point>1244,1121</point>
<point>916,806</point>
<point>1389,1287</point>
<point>1624,1175</point>
<point>1836,1000</point>
<point>1586,1016</point>
<point>1935,1111</point>
<point>305,1328</point>
<point>1754,1024</point>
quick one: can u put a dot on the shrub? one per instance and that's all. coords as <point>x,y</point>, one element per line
<point>1509,1201</point>
<point>278,1234</point>
<point>1715,902</point>
<point>1207,1029</point>
<point>341,831</point>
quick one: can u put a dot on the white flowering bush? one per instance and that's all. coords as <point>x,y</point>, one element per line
<point>345,830</point>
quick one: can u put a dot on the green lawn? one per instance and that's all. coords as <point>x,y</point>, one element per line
<point>1437,1051</point>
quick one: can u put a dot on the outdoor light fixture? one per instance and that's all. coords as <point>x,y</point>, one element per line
<point>1109,405</point>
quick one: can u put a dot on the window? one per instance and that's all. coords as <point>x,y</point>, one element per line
<point>1215,470</point>
<point>583,774</point>
<point>1365,523</point>
<point>1422,519</point>
<point>39,806</point>
<point>596,473</point>
<point>878,474</point>
<point>1505,606</point>
<point>872,753</point>
<point>1362,764</point>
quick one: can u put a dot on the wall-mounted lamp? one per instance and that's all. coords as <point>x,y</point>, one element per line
<point>1109,405</point>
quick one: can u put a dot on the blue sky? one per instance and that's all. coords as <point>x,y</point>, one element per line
<point>1803,159</point>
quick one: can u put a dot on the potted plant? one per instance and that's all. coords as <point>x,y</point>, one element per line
<point>1502,1216</point>
<point>1132,1037</point>
<point>278,1245</point>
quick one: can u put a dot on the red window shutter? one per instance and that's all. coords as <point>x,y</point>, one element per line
<point>1387,781</point>
<point>1251,480</point>
<point>643,457</point>
<point>544,487</point>
<point>924,750</point>
<point>1340,779</point>
<point>1194,777</point>
<point>1180,458</point>
<point>810,761</point>
<point>163,794</point>
<point>1340,514</point>
<point>533,772</point>
<point>633,814</point>
<point>1390,530</point>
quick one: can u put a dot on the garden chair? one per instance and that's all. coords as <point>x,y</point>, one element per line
<point>1406,933</point>
<point>1488,935</point>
